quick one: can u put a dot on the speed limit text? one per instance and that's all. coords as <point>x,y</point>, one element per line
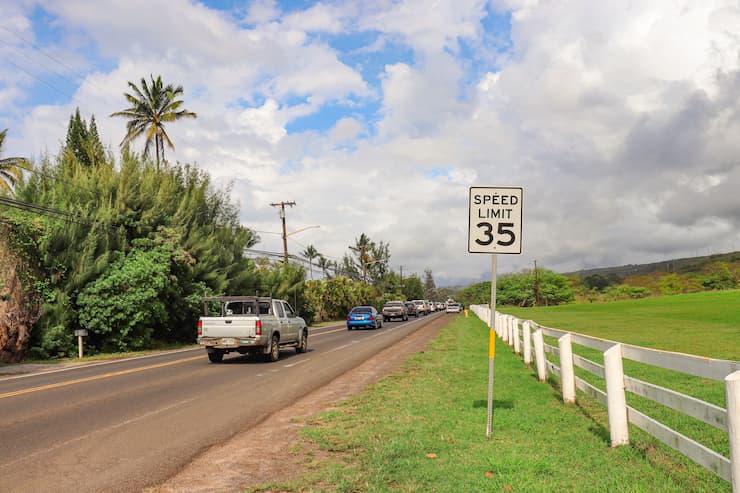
<point>489,200</point>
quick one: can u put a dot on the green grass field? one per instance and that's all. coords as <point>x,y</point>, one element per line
<point>704,324</point>
<point>382,439</point>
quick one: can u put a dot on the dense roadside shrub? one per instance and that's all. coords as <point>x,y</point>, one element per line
<point>333,298</point>
<point>113,210</point>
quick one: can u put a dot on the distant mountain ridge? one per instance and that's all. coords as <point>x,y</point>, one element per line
<point>681,265</point>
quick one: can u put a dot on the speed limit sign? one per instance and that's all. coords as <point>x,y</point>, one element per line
<point>495,224</point>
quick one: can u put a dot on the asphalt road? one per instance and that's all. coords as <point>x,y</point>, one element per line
<point>129,424</point>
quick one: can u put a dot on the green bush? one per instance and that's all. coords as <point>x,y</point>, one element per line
<point>625,292</point>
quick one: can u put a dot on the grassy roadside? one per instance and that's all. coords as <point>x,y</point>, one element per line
<point>706,324</point>
<point>382,440</point>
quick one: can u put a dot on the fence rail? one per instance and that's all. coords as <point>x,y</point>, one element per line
<point>617,384</point>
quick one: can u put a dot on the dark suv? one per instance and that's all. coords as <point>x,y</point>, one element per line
<point>411,309</point>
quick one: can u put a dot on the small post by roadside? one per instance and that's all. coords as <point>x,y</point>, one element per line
<point>80,333</point>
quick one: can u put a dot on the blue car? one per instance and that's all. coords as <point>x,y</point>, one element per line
<point>364,316</point>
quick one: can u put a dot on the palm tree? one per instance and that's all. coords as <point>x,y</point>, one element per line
<point>325,265</point>
<point>151,106</point>
<point>310,253</point>
<point>11,169</point>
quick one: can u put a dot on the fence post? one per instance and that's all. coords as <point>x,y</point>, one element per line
<point>517,343</point>
<point>511,330</point>
<point>505,328</point>
<point>732,390</point>
<point>527,343</point>
<point>615,398</point>
<point>539,354</point>
<point>567,375</point>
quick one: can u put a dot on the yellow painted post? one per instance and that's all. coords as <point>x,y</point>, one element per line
<point>492,344</point>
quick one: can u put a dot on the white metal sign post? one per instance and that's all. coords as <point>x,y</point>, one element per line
<point>494,226</point>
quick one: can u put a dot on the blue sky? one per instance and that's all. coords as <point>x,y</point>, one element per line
<point>376,117</point>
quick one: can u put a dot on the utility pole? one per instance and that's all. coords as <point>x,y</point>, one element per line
<point>536,286</point>
<point>401,278</point>
<point>282,217</point>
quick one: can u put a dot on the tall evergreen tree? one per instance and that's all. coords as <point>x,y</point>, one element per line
<point>95,149</point>
<point>77,137</point>
<point>83,141</point>
<point>430,289</point>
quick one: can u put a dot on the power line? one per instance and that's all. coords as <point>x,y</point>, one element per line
<point>63,93</point>
<point>43,210</point>
<point>62,180</point>
<point>46,67</point>
<point>54,59</point>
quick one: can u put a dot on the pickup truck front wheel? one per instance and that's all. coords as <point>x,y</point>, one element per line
<point>216,356</point>
<point>274,353</point>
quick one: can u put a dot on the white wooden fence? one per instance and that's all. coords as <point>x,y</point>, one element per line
<point>527,343</point>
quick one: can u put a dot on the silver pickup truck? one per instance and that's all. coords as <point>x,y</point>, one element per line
<point>250,324</point>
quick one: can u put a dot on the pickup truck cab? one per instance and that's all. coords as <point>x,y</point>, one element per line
<point>250,325</point>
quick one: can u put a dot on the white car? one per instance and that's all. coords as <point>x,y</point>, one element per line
<point>454,308</point>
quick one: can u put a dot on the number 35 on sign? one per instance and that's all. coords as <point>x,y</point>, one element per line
<point>495,224</point>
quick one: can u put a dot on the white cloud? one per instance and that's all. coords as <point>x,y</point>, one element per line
<point>618,119</point>
<point>261,11</point>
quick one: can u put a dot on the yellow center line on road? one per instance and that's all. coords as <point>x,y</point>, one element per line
<point>328,332</point>
<point>114,374</point>
<point>97,377</point>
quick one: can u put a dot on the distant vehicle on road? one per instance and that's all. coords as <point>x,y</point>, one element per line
<point>395,309</point>
<point>364,316</point>
<point>411,309</point>
<point>454,308</point>
<point>421,307</point>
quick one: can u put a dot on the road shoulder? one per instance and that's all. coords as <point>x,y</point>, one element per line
<point>266,452</point>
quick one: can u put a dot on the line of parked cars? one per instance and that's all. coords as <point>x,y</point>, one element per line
<point>369,317</point>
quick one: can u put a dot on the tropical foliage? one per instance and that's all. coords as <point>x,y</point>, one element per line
<point>128,249</point>
<point>529,288</point>
<point>108,256</point>
<point>152,105</point>
<point>11,168</point>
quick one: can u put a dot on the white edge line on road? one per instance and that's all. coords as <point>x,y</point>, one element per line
<point>297,363</point>
<point>344,346</point>
<point>92,365</point>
